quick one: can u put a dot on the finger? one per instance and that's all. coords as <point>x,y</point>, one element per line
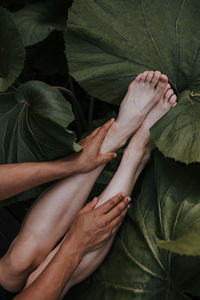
<point>95,132</point>
<point>108,205</point>
<point>90,205</point>
<point>117,210</point>
<point>118,221</point>
<point>116,228</point>
<point>105,158</point>
<point>102,133</point>
<point>90,136</point>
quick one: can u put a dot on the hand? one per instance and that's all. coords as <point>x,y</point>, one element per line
<point>91,157</point>
<point>94,226</point>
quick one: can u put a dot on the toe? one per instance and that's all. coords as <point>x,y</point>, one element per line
<point>168,94</point>
<point>172,100</point>
<point>149,76</point>
<point>155,78</point>
<point>143,77</point>
<point>167,88</point>
<point>138,77</point>
<point>161,85</point>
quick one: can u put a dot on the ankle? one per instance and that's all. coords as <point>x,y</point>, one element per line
<point>115,138</point>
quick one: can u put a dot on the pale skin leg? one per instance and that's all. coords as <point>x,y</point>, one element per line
<point>54,211</point>
<point>134,160</point>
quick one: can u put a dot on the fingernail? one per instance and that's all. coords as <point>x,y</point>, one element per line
<point>113,119</point>
<point>123,195</point>
<point>115,155</point>
<point>129,206</point>
<point>129,199</point>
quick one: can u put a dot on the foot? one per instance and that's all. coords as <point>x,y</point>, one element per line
<point>142,137</point>
<point>143,94</point>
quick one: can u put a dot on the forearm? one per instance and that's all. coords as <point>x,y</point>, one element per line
<point>51,282</point>
<point>16,178</point>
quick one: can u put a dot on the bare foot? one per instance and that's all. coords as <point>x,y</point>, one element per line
<point>142,95</point>
<point>142,137</point>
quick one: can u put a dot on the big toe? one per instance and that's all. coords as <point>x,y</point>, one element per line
<point>161,85</point>
<point>138,77</point>
<point>143,76</point>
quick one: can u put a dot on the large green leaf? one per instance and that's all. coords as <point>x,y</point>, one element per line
<point>178,133</point>
<point>167,208</point>
<point>37,20</point>
<point>109,42</point>
<point>33,126</point>
<point>11,50</point>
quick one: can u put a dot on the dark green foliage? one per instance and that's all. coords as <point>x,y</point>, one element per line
<point>34,117</point>
<point>156,253</point>
<point>107,44</point>
<point>140,35</point>
<point>36,21</point>
<point>12,51</point>
<point>33,126</point>
<point>167,208</point>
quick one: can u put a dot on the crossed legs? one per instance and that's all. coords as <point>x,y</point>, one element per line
<point>54,211</point>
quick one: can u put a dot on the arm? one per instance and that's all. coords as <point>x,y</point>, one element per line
<point>16,178</point>
<point>90,230</point>
<point>52,281</point>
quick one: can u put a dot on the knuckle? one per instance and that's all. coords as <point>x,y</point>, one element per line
<point>112,202</point>
<point>101,224</point>
<point>119,210</point>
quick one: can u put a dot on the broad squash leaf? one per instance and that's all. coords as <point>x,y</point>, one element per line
<point>33,126</point>
<point>12,51</point>
<point>178,133</point>
<point>136,268</point>
<point>37,20</point>
<point>109,42</point>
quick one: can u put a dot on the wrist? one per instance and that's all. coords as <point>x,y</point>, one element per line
<point>67,166</point>
<point>74,246</point>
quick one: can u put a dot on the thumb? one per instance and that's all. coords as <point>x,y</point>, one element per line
<point>104,158</point>
<point>90,205</point>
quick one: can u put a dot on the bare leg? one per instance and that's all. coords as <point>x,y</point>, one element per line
<point>55,209</point>
<point>134,159</point>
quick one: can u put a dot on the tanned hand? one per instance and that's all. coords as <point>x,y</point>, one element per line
<point>94,226</point>
<point>90,156</point>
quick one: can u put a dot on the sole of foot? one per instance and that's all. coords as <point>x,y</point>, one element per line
<point>142,95</point>
<point>142,138</point>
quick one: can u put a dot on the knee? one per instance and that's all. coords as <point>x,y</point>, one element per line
<point>23,255</point>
